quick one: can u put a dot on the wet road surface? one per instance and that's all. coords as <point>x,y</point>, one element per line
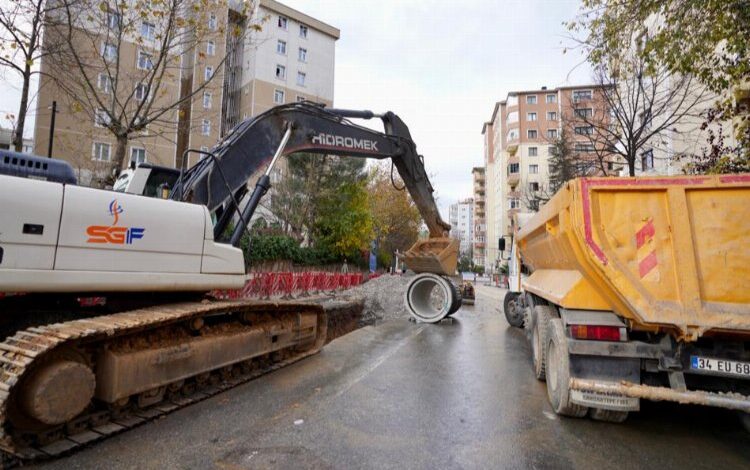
<point>402,395</point>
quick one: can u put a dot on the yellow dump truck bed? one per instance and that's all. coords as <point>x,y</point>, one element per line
<point>663,252</point>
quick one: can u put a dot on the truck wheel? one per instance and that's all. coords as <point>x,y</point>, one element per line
<point>512,309</point>
<point>558,372</point>
<point>610,416</point>
<point>542,316</point>
<point>744,420</point>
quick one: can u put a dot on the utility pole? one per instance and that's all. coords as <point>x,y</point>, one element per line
<point>52,129</point>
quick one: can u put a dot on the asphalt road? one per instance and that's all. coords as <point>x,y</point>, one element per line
<point>402,395</point>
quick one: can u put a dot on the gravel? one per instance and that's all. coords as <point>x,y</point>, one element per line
<point>384,298</point>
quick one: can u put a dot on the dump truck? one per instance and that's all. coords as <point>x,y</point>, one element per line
<point>637,288</point>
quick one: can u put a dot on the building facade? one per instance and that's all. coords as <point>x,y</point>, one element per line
<point>480,231</point>
<point>519,142</point>
<point>461,217</point>
<point>280,56</point>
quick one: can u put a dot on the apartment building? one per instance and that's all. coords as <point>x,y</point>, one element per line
<point>282,56</point>
<point>519,141</point>
<point>490,199</point>
<point>480,233</point>
<point>461,217</point>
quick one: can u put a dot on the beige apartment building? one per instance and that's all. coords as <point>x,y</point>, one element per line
<point>480,232</point>
<point>518,143</point>
<point>290,57</point>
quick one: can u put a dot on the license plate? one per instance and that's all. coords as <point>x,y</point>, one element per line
<point>711,365</point>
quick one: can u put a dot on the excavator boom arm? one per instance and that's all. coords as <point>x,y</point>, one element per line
<point>251,146</point>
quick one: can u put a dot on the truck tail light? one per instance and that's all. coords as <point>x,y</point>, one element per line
<point>598,332</point>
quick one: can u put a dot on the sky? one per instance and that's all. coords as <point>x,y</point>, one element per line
<point>440,65</point>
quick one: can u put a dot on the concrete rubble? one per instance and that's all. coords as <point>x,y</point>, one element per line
<point>384,298</point>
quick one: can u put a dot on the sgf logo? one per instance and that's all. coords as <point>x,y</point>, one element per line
<point>114,234</point>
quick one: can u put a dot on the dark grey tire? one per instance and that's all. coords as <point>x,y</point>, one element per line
<point>744,420</point>
<point>457,299</point>
<point>542,316</point>
<point>558,372</point>
<point>610,416</point>
<point>512,310</point>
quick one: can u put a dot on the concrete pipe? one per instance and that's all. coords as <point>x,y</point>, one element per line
<point>430,298</point>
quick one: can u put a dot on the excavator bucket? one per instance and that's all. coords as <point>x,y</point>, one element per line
<point>434,255</point>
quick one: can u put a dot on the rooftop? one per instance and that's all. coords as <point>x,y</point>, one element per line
<point>296,15</point>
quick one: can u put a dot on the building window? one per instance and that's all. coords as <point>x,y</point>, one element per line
<point>580,95</point>
<point>647,160</point>
<point>552,150</point>
<point>101,118</point>
<point>531,99</point>
<point>141,91</point>
<point>551,98</point>
<point>148,31</point>
<point>584,130</point>
<point>145,61</point>
<point>552,133</point>
<point>531,116</point>
<point>137,155</point>
<point>208,73</point>
<point>584,112</point>
<point>281,47</point>
<point>114,20</point>
<point>206,127</point>
<point>101,151</point>
<point>303,31</point>
<point>283,22</point>
<point>533,151</point>
<point>210,48</point>
<point>207,96</point>
<point>513,168</point>
<point>512,134</point>
<point>533,169</point>
<point>212,22</point>
<point>104,83</point>
<point>514,203</point>
<point>301,78</point>
<point>109,51</point>
<point>280,72</point>
<point>534,186</point>
<point>300,98</point>
<point>531,133</point>
<point>278,96</point>
<point>584,148</point>
<point>302,55</point>
<point>552,115</point>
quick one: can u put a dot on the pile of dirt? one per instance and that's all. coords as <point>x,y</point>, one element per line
<point>384,298</point>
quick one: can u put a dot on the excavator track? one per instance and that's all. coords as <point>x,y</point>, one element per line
<point>189,351</point>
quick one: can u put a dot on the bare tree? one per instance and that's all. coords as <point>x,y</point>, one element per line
<point>564,164</point>
<point>127,65</point>
<point>21,28</point>
<point>646,104</point>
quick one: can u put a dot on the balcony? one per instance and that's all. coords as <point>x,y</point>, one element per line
<point>514,170</point>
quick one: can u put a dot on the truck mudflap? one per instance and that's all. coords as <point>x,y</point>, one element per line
<point>624,389</point>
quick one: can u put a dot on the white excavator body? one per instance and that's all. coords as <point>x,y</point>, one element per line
<point>67,238</point>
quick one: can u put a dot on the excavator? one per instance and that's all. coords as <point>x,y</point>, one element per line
<point>105,315</point>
